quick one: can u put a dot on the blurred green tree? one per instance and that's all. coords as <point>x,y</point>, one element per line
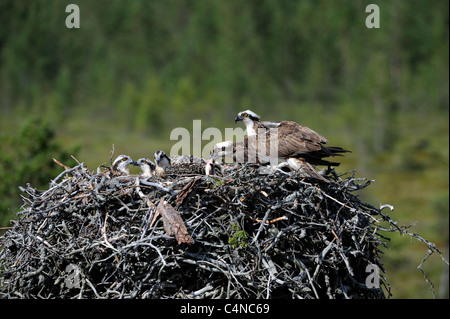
<point>26,157</point>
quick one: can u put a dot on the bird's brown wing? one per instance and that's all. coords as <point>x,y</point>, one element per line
<point>295,139</point>
<point>300,131</point>
<point>291,140</point>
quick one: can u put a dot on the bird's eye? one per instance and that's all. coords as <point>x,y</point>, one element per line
<point>245,114</point>
<point>124,159</point>
<point>145,162</point>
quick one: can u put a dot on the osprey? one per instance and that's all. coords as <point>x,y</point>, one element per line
<point>147,167</point>
<point>294,145</point>
<point>162,163</point>
<point>120,164</point>
<point>253,122</point>
<point>178,164</point>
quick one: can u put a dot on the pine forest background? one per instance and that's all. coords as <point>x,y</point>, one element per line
<point>135,70</point>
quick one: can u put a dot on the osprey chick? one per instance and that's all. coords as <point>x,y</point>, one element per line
<point>147,167</point>
<point>178,164</point>
<point>120,164</point>
<point>162,163</point>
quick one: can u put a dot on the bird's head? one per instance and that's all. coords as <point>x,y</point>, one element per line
<point>161,159</point>
<point>146,165</point>
<point>247,116</point>
<point>211,166</point>
<point>121,163</point>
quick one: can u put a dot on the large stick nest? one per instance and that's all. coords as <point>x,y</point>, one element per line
<point>242,235</point>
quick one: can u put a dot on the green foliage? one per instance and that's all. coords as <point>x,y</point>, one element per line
<point>26,157</point>
<point>239,239</point>
<point>186,57</point>
<point>137,69</point>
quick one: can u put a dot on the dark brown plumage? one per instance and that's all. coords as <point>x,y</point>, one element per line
<point>297,145</point>
<point>296,140</point>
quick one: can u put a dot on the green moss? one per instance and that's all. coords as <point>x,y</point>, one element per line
<point>239,239</point>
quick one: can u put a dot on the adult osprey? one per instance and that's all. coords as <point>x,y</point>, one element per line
<point>120,165</point>
<point>286,143</point>
<point>253,122</point>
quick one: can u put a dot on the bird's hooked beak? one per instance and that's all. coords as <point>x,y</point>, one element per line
<point>238,118</point>
<point>134,163</point>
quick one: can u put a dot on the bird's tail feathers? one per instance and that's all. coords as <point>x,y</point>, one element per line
<point>334,150</point>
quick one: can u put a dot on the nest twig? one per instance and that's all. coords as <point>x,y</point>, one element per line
<point>243,235</point>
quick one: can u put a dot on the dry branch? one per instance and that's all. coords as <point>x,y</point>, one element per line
<point>243,235</point>
<point>173,223</point>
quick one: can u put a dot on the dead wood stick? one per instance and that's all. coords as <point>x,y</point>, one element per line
<point>106,238</point>
<point>268,222</point>
<point>261,226</point>
<point>61,164</point>
<point>173,223</point>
